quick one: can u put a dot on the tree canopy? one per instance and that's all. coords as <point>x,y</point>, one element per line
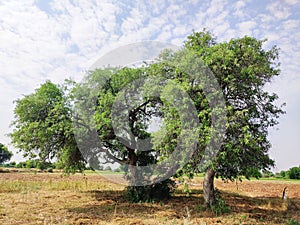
<point>43,127</point>
<point>242,68</point>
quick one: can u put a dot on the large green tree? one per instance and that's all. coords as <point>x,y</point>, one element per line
<point>242,68</point>
<point>111,115</point>
<point>43,126</point>
<point>5,155</point>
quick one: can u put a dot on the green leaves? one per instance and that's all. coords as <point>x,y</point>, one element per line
<point>242,68</point>
<point>43,126</point>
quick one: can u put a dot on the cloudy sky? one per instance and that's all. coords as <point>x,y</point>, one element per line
<point>59,39</point>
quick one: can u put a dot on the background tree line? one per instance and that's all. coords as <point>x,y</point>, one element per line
<point>291,173</point>
<point>50,166</point>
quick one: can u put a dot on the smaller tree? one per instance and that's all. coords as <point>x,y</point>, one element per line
<point>282,174</point>
<point>43,127</point>
<point>5,155</point>
<point>294,173</point>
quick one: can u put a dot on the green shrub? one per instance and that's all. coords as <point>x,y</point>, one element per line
<point>292,222</point>
<point>220,206</point>
<point>44,165</point>
<point>21,165</point>
<point>282,174</point>
<point>31,163</point>
<point>150,193</point>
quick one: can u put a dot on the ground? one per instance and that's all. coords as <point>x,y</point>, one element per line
<point>50,198</point>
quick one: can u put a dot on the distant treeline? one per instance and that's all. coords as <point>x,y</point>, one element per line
<point>291,173</point>
<point>32,164</point>
<point>49,166</point>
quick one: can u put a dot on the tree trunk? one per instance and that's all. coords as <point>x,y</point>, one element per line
<point>132,165</point>
<point>208,187</point>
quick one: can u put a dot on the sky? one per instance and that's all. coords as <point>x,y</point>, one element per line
<point>57,39</point>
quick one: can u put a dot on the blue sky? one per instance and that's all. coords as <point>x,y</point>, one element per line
<point>58,39</point>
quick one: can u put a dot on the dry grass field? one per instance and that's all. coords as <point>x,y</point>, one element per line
<point>50,198</point>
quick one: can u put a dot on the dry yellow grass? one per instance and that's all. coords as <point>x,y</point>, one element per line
<point>28,198</point>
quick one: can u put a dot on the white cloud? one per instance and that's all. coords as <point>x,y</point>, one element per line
<point>292,2</point>
<point>166,32</point>
<point>215,8</point>
<point>134,22</point>
<point>278,10</point>
<point>239,9</point>
<point>246,28</point>
<point>213,15</point>
<point>31,41</point>
<point>291,25</point>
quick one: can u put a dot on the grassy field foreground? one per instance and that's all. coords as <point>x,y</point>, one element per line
<point>49,198</point>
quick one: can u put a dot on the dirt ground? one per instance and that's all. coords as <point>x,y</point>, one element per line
<point>50,198</point>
